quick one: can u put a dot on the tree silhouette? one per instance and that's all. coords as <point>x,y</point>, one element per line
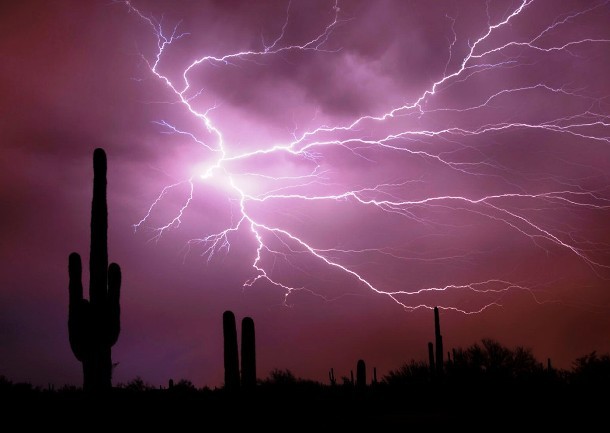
<point>592,369</point>
<point>494,362</point>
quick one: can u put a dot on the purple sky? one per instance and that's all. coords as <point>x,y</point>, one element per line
<point>476,179</point>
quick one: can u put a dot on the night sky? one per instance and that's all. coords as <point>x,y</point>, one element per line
<point>332,172</point>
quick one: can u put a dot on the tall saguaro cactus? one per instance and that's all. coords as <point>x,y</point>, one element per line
<point>439,342</point>
<point>231,356</point>
<point>94,324</point>
<point>248,353</point>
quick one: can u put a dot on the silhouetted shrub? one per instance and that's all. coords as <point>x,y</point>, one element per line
<point>137,384</point>
<point>491,361</point>
<point>281,377</point>
<point>591,369</point>
<point>409,374</point>
<point>184,385</point>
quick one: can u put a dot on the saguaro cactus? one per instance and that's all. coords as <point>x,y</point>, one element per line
<point>331,377</point>
<point>94,324</point>
<point>248,353</point>
<point>230,351</point>
<point>439,342</point>
<point>360,374</point>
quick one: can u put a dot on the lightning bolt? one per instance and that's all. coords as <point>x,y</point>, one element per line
<point>361,137</point>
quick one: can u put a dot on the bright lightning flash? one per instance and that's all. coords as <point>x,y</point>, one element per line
<point>488,53</point>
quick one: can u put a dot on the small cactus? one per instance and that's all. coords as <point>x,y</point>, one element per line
<point>431,357</point>
<point>331,377</point>
<point>248,353</point>
<point>360,374</point>
<point>439,343</point>
<point>231,356</point>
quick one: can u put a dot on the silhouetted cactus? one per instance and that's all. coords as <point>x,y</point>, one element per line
<point>248,353</point>
<point>431,356</point>
<point>230,351</point>
<point>351,377</point>
<point>94,324</point>
<point>439,342</point>
<point>360,374</point>
<point>374,376</point>
<point>331,377</point>
<point>170,384</point>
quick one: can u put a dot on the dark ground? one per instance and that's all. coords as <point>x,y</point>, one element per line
<point>309,406</point>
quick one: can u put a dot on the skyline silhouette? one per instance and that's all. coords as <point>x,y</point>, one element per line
<point>487,376</point>
<point>332,171</point>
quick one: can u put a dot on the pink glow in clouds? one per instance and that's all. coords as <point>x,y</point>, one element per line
<point>332,171</point>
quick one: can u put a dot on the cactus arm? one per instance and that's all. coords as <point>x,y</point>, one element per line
<point>114,308</point>
<point>75,272</point>
<point>78,308</point>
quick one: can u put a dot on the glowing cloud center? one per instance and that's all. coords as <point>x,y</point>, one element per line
<point>482,56</point>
